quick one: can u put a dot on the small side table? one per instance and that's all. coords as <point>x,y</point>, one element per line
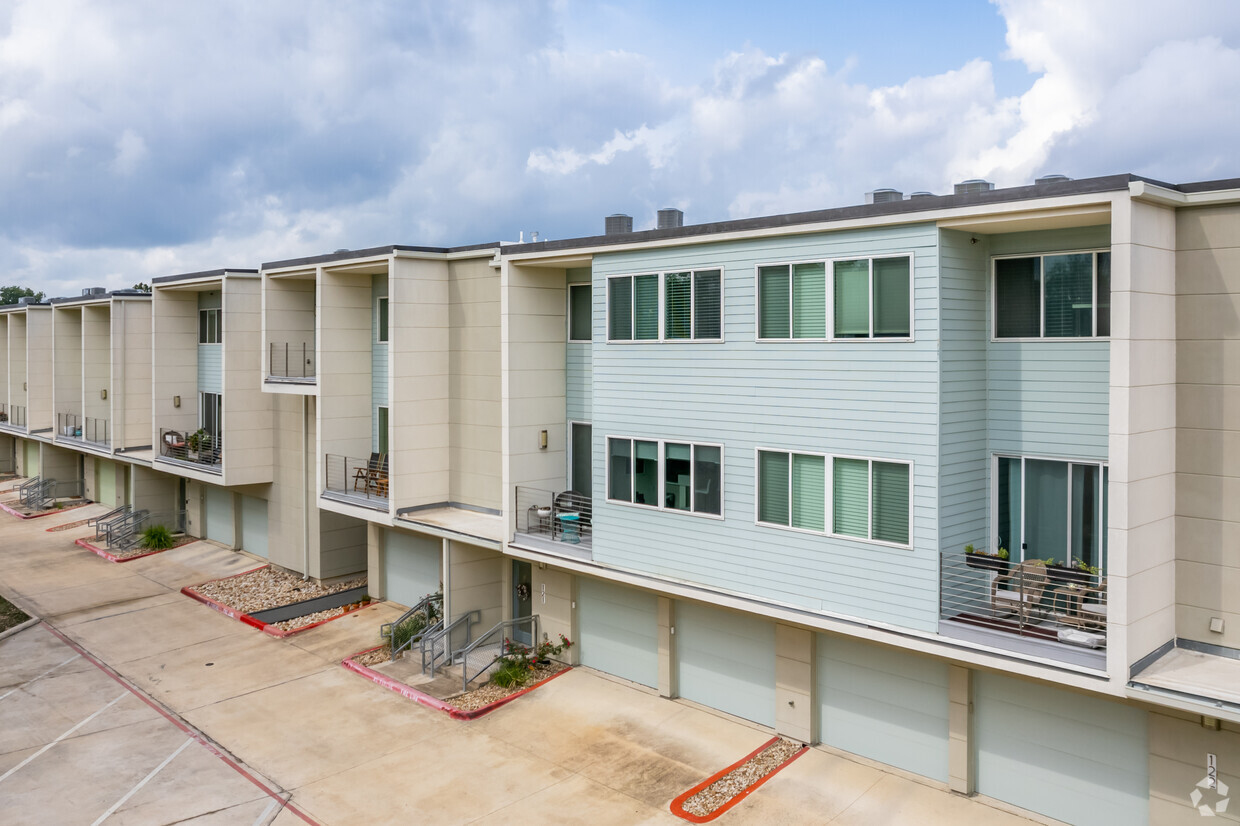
<point>570,531</point>
<point>536,522</point>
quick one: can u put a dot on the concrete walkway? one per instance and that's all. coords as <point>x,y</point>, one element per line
<point>345,751</point>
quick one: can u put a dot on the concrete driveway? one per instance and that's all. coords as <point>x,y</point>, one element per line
<point>339,748</point>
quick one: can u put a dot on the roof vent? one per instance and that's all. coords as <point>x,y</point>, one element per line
<point>884,196</point>
<point>94,291</point>
<point>921,194</point>
<point>1052,179</point>
<point>671,218</point>
<point>26,299</point>
<point>618,224</point>
<point>973,186</point>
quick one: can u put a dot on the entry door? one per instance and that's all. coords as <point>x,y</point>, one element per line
<point>522,599</point>
<point>1051,510</point>
<point>581,460</point>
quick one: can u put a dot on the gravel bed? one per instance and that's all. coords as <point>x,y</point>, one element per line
<point>740,778</point>
<point>309,619</point>
<point>379,656</point>
<point>68,526</point>
<point>140,551</point>
<point>489,693</point>
<point>268,588</point>
<point>59,505</point>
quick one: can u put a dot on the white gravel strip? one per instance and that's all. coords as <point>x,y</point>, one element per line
<point>740,778</point>
<point>269,588</point>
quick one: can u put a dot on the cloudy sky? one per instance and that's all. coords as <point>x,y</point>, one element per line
<point>145,138</point>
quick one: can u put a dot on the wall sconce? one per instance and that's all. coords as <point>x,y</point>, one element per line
<point>542,440</point>
<point>23,385</point>
<point>176,401</point>
<point>103,394</point>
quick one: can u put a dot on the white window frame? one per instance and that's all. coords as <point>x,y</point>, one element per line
<point>829,498</point>
<point>1103,472</point>
<point>662,276</point>
<point>994,310</point>
<point>662,495</point>
<point>568,315</point>
<point>218,313</point>
<point>829,265</point>
<point>382,335</point>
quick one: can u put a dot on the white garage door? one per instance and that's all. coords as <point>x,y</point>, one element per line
<point>411,566</point>
<point>219,515</point>
<point>254,525</point>
<point>1076,758</point>
<point>726,661</point>
<point>619,630</point>
<point>884,705</point>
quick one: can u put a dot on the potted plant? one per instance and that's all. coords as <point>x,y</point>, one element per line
<point>997,561</point>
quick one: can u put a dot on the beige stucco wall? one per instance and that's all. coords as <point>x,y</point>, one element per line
<point>97,354</point>
<point>5,369</point>
<point>131,372</point>
<point>342,546</point>
<point>247,425</point>
<point>475,582</point>
<point>17,359</point>
<point>60,464</point>
<point>344,370</point>
<point>39,337</point>
<point>1178,745</point>
<point>1207,568</point>
<point>67,361</point>
<point>475,453</point>
<point>175,361</point>
<point>288,314</point>
<point>156,492</point>
<point>291,491</point>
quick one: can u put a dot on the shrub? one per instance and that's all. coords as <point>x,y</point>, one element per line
<point>511,673</point>
<point>157,538</point>
<point>409,630</point>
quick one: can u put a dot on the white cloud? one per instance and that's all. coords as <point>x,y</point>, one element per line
<point>130,150</point>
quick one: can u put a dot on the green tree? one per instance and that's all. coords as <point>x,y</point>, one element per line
<point>143,286</point>
<point>9,295</point>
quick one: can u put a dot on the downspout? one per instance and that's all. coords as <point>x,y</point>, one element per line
<point>305,499</point>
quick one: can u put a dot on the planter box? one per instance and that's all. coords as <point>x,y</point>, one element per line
<point>989,563</point>
<point>1066,575</point>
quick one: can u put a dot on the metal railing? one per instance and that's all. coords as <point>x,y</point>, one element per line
<point>560,517</point>
<point>361,478</point>
<point>1028,599</point>
<point>13,415</point>
<point>199,447</point>
<point>25,489</point>
<point>436,644</point>
<point>125,532</point>
<point>101,521</point>
<point>287,360</point>
<point>82,428</point>
<point>430,607</point>
<point>483,653</point>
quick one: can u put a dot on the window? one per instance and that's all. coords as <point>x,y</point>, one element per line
<point>210,413</point>
<point>1053,296</point>
<point>381,430</point>
<point>692,306</point>
<point>580,465</point>
<point>868,298</point>
<point>579,312</point>
<point>676,476</point>
<point>209,331</point>
<point>1047,509</point>
<point>381,319</point>
<point>869,498</point>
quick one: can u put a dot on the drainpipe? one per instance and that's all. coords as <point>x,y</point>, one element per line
<point>305,504</point>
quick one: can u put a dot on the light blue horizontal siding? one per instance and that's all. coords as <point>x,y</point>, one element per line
<point>876,398</point>
<point>210,368</point>
<point>378,352</point>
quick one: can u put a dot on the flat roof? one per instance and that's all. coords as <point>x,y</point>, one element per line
<point>83,299</point>
<point>190,276</point>
<point>373,252</point>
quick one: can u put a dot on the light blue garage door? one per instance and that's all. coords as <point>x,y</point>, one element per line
<point>1073,757</point>
<point>726,661</point>
<point>884,705</point>
<point>254,525</point>
<point>411,566</point>
<point>219,515</point>
<point>619,629</point>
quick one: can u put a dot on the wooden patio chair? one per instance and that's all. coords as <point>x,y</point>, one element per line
<point>1026,583</point>
<point>364,475</point>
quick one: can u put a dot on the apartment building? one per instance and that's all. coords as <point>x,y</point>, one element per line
<point>943,482</point>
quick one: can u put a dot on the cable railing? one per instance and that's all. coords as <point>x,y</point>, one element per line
<point>480,655</point>
<point>352,478</point>
<point>82,428</point>
<point>560,517</point>
<point>13,415</point>
<point>291,361</point>
<point>199,447</point>
<point>1027,599</point>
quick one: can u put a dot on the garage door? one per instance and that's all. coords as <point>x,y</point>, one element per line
<point>219,515</point>
<point>32,459</point>
<point>619,629</point>
<point>105,482</point>
<point>726,661</point>
<point>884,705</point>
<point>1076,758</point>
<point>411,566</point>
<point>254,525</point>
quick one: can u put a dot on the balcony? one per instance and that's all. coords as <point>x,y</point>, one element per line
<point>13,416</point>
<point>291,362</point>
<point>75,428</point>
<point>559,523</point>
<point>200,449</point>
<point>356,481</point>
<point>1027,608</point>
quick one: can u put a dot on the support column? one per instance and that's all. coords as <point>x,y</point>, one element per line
<point>667,648</point>
<point>376,551</point>
<point>794,683</point>
<point>961,767</point>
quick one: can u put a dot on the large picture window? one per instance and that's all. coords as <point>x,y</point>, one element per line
<point>1051,510</point>
<point>678,476</point>
<point>691,302</point>
<point>869,499</point>
<point>1064,295</point>
<point>209,330</point>
<point>830,300</point>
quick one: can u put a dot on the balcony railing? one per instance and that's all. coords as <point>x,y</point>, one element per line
<point>198,447</point>
<point>13,415</point>
<point>82,428</point>
<point>1014,604</point>
<point>289,361</point>
<point>359,481</point>
<point>565,518</point>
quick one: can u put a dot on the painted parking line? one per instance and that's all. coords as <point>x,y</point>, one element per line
<point>14,770</point>
<point>41,676</point>
<point>141,783</point>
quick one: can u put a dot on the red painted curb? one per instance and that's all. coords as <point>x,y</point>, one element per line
<point>109,556</point>
<point>676,806</point>
<point>279,633</point>
<point>9,510</point>
<point>427,700</point>
<point>196,736</point>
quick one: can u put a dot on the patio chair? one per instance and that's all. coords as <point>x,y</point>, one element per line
<point>363,476</point>
<point>174,445</point>
<point>1026,584</point>
<point>379,476</point>
<point>570,501</point>
<point>1092,609</point>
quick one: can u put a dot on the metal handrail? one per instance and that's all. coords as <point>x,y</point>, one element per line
<point>101,522</point>
<point>425,607</point>
<point>24,489</point>
<point>441,633</point>
<point>462,655</point>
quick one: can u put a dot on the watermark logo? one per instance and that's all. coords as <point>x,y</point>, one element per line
<point>1198,797</point>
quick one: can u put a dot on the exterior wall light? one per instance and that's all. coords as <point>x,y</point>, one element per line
<point>176,401</point>
<point>103,394</point>
<point>542,440</point>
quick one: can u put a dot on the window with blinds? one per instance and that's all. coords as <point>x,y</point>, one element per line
<point>579,310</point>
<point>869,499</point>
<point>692,306</point>
<point>1053,296</point>
<point>862,298</point>
<point>677,476</point>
